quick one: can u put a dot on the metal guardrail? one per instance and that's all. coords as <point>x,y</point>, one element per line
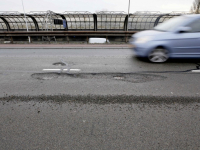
<point>88,34</point>
<point>68,33</point>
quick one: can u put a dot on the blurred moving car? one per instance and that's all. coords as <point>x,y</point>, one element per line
<point>178,37</point>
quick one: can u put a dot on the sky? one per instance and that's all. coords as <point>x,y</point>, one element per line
<point>60,6</point>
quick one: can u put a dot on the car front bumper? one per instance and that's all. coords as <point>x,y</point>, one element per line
<point>139,50</point>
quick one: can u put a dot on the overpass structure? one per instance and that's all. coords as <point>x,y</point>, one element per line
<point>83,21</point>
<point>104,23</point>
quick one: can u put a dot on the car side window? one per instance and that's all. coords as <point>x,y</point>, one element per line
<point>195,26</point>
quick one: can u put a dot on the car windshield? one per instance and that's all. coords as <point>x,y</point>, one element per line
<point>171,24</point>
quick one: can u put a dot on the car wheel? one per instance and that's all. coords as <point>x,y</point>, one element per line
<point>158,55</point>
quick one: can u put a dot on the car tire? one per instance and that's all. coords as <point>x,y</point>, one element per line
<point>158,55</point>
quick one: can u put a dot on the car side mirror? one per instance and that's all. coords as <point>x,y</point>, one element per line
<point>183,29</point>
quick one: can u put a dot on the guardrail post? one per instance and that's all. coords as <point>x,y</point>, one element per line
<point>126,38</point>
<point>11,39</point>
<point>30,39</point>
<point>87,40</point>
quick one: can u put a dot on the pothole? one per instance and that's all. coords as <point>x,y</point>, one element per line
<point>126,77</point>
<point>45,76</point>
<point>59,64</point>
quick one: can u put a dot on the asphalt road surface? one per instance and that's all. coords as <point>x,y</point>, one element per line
<point>115,101</point>
<point>103,71</point>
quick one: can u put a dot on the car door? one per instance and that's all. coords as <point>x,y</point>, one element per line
<point>187,43</point>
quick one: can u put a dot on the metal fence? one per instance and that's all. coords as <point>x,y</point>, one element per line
<point>83,21</point>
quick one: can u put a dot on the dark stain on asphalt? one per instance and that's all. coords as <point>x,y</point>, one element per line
<point>126,77</point>
<point>59,64</point>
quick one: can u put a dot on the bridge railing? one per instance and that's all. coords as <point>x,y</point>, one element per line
<point>85,21</point>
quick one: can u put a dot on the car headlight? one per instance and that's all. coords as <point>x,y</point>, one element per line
<point>143,39</point>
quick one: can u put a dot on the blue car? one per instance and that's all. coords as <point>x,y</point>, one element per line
<point>178,37</point>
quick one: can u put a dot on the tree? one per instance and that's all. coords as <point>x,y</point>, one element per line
<point>195,8</point>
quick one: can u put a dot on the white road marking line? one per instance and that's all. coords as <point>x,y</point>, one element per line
<point>51,69</point>
<point>71,69</point>
<point>195,70</point>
